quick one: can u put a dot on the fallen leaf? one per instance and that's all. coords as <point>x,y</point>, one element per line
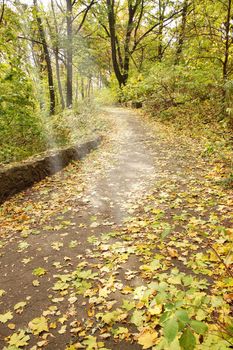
<point>39,271</point>
<point>6,317</point>
<point>38,325</point>
<point>147,338</point>
<point>19,339</point>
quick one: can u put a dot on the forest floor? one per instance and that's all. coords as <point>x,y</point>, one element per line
<point>127,249</point>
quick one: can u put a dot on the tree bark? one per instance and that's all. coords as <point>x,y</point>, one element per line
<point>227,41</point>
<point>182,32</point>
<point>69,54</point>
<point>47,59</point>
<point>130,24</point>
<point>59,78</point>
<point>160,30</point>
<point>56,54</point>
<point>225,70</point>
<point>82,88</point>
<point>121,62</point>
<point>112,31</point>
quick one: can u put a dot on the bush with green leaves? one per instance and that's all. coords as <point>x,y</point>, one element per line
<point>20,127</point>
<point>164,86</point>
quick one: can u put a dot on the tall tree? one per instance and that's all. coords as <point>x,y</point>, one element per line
<point>69,53</point>
<point>227,38</point>
<point>70,33</point>
<point>121,56</point>
<point>47,58</point>
<point>55,40</point>
<point>181,35</point>
<point>162,8</point>
<point>136,31</point>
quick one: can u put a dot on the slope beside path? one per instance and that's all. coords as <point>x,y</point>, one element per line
<point>127,249</point>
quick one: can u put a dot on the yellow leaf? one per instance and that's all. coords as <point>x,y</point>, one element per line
<point>62,330</point>
<point>42,343</point>
<point>19,339</point>
<point>38,325</point>
<point>35,283</point>
<point>172,252</point>
<point>19,307</point>
<point>53,325</point>
<point>2,292</point>
<point>11,326</point>
<point>147,338</point>
<point>155,310</point>
<point>6,317</point>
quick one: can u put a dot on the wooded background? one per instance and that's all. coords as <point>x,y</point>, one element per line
<point>175,57</point>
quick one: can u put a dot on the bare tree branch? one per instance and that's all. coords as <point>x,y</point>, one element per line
<point>85,15</point>
<point>152,28</point>
<point>60,7</point>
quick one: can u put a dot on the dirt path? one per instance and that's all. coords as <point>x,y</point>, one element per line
<point>79,245</point>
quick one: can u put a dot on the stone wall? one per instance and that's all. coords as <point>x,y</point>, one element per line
<point>20,176</point>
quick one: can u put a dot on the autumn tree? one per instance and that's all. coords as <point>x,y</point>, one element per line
<point>44,44</point>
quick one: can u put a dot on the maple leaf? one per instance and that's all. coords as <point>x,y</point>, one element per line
<point>121,332</point>
<point>86,274</point>
<point>59,285</point>
<point>147,338</point>
<point>38,325</point>
<point>138,318</point>
<point>19,339</point>
<point>39,271</point>
<point>91,343</point>
<point>6,317</point>
<point>22,246</point>
<point>19,306</point>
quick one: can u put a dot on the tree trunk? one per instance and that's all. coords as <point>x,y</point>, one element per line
<point>76,88</point>
<point>47,59</point>
<point>59,78</point>
<point>82,88</point>
<point>112,30</point>
<point>227,41</point>
<point>131,12</point>
<point>69,54</point>
<point>182,33</point>
<point>225,71</point>
<point>56,54</point>
<point>160,31</point>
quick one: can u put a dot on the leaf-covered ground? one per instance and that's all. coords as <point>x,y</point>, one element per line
<point>129,249</point>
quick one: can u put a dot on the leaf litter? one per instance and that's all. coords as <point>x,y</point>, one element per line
<point>145,260</point>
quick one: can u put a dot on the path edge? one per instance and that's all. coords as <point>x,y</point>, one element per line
<point>21,176</point>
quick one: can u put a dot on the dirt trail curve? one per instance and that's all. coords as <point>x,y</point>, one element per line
<point>60,253</point>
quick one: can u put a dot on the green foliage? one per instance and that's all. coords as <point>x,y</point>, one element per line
<point>20,127</point>
<point>187,340</point>
<point>106,97</point>
<point>190,100</point>
<point>170,329</point>
<point>163,87</point>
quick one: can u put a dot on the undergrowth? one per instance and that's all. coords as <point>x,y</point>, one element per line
<point>51,132</point>
<point>189,102</point>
